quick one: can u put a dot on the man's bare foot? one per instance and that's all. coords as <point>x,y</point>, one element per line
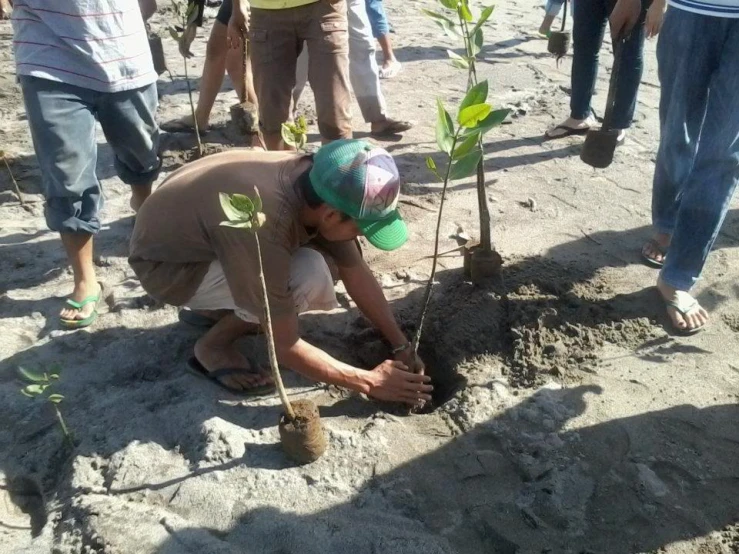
<point>655,250</point>
<point>390,127</point>
<point>686,314</point>
<point>214,358</point>
<point>139,193</point>
<point>570,126</point>
<point>82,290</point>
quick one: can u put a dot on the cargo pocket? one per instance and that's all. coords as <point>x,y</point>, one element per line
<point>334,37</point>
<point>261,50</point>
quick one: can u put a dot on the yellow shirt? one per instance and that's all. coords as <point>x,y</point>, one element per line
<point>279,4</point>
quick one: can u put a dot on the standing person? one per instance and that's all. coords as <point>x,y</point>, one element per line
<point>697,166</point>
<point>219,59</point>
<point>551,11</point>
<point>277,31</point>
<point>363,72</point>
<point>589,23</point>
<point>381,31</point>
<point>315,207</point>
<point>79,61</point>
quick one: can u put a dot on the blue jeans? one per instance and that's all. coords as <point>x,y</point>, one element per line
<point>697,165</point>
<point>378,18</point>
<point>62,121</point>
<point>589,24</point>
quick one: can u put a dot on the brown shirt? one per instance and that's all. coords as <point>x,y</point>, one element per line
<point>178,233</point>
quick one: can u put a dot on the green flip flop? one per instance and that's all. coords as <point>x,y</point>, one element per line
<point>90,319</point>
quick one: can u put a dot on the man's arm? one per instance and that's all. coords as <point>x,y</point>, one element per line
<point>367,294</point>
<point>624,17</point>
<point>238,25</point>
<point>389,381</point>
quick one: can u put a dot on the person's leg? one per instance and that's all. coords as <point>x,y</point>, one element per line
<point>301,79</point>
<point>553,8</point>
<point>363,70</point>
<point>381,31</point>
<point>63,130</point>
<point>325,28</point>
<point>214,69</point>
<point>274,49</point>
<point>713,178</point>
<point>684,94</point>
<point>128,119</point>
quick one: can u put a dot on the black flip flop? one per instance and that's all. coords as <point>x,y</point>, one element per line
<point>651,262</point>
<point>195,367</point>
<point>568,132</point>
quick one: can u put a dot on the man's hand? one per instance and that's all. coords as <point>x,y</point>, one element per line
<point>6,8</point>
<point>623,18</point>
<point>238,25</point>
<point>411,359</point>
<point>655,16</point>
<point>393,382</point>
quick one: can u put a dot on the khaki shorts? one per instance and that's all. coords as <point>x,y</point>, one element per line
<point>277,37</point>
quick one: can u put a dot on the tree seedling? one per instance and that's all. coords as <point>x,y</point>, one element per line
<point>481,261</point>
<point>41,385</point>
<point>295,133</point>
<point>301,433</point>
<point>12,178</point>
<point>183,13</point>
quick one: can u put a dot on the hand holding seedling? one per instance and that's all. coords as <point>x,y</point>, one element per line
<point>238,25</point>
<point>393,381</point>
<point>410,358</point>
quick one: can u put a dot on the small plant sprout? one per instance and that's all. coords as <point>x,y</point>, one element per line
<point>183,13</point>
<point>12,178</point>
<point>482,261</point>
<point>41,385</point>
<point>295,134</point>
<point>461,142</point>
<point>300,427</point>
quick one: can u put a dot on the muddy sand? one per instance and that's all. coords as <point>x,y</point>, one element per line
<point>567,419</point>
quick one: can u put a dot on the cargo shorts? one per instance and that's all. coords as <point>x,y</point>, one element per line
<point>277,38</point>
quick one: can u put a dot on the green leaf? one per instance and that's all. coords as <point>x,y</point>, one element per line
<point>174,34</point>
<point>477,42</point>
<point>447,25</point>
<point>301,126</point>
<point>458,61</point>
<point>231,213</point>
<point>484,16</point>
<point>55,398</point>
<point>493,119</point>
<point>54,376</point>
<point>24,393</point>
<point>30,375</point>
<point>242,224</point>
<point>288,134</point>
<point>444,128</point>
<point>464,11</point>
<point>430,163</point>
<point>478,94</point>
<point>438,16</point>
<point>243,205</point>
<point>257,200</point>
<point>472,115</point>
<point>33,390</point>
<point>466,166</point>
<point>466,146</point>
<point>450,4</point>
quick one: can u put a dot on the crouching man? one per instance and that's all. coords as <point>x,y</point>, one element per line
<point>315,207</point>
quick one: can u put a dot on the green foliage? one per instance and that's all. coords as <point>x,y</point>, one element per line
<point>39,384</point>
<point>241,211</point>
<point>476,95</point>
<point>295,134</point>
<point>471,116</point>
<point>444,129</point>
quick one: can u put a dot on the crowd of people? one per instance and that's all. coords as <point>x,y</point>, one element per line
<point>80,62</point>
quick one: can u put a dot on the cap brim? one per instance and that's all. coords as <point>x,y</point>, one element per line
<point>387,234</point>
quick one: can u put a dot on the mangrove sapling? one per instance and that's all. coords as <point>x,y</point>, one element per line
<point>12,178</point>
<point>463,146</point>
<point>183,17</point>
<point>295,133</point>
<point>301,433</point>
<point>481,261</point>
<point>41,385</point>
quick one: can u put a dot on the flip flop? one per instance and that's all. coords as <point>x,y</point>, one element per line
<point>393,128</point>
<point>568,132</point>
<point>651,262</point>
<point>90,319</point>
<point>684,309</point>
<point>196,368</point>
<point>391,71</point>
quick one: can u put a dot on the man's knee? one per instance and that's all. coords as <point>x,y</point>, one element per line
<point>311,281</point>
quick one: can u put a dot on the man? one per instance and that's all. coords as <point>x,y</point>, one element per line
<point>277,31</point>
<point>363,72</point>
<point>314,207</point>
<point>697,166</point>
<point>79,61</point>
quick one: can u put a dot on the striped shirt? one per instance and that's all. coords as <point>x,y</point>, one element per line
<point>95,44</point>
<point>716,8</point>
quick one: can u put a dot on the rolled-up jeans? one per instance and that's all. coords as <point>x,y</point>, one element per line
<point>697,166</point>
<point>311,282</point>
<point>377,18</point>
<point>363,70</point>
<point>62,121</point>
<point>589,24</point>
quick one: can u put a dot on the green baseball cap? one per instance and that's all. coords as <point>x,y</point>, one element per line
<point>362,181</point>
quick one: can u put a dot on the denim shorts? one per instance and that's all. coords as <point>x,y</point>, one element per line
<point>62,121</point>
